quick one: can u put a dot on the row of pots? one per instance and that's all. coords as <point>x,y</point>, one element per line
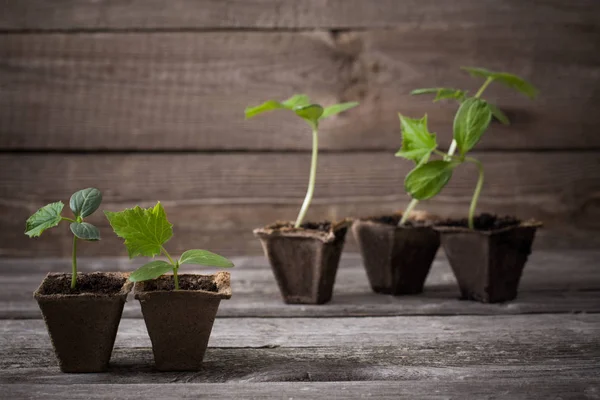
<point>83,326</point>
<point>487,263</point>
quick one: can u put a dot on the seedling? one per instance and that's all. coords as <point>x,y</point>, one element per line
<point>312,114</point>
<point>472,119</point>
<point>83,204</point>
<point>145,231</point>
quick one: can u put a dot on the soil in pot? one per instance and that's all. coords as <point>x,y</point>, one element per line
<point>179,322</point>
<point>304,260</point>
<point>83,322</point>
<point>488,261</point>
<point>397,258</point>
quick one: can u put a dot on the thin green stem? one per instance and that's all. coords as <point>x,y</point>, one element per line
<point>175,265</point>
<point>176,276</point>
<point>67,219</point>
<point>477,192</point>
<point>413,203</point>
<point>311,181</point>
<point>74,271</point>
<point>483,87</point>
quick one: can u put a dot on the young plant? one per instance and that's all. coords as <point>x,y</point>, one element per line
<point>312,114</point>
<point>472,119</point>
<point>145,231</point>
<point>83,204</point>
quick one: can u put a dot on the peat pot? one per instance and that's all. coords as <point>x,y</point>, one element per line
<point>304,260</point>
<point>488,263</point>
<point>179,322</point>
<point>83,322</point>
<point>397,258</point>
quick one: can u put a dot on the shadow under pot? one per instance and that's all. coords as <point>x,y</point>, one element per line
<point>304,260</point>
<point>179,322</point>
<point>83,322</point>
<point>397,258</point>
<point>488,261</point>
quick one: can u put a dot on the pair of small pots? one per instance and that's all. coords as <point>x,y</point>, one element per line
<point>83,324</point>
<point>487,263</point>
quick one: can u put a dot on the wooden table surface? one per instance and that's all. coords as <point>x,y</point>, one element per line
<point>544,345</point>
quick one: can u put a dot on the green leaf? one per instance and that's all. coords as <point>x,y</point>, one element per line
<point>145,230</point>
<point>498,114</point>
<point>510,80</point>
<point>337,108</point>
<point>417,141</point>
<point>427,180</point>
<point>149,271</point>
<point>297,100</point>
<point>471,121</point>
<point>442,93</point>
<point>268,105</point>
<point>44,218</point>
<point>85,202</point>
<point>310,113</point>
<point>204,257</point>
<point>85,231</point>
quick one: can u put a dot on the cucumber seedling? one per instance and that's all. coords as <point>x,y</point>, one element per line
<point>83,204</point>
<point>145,231</point>
<point>471,121</point>
<point>312,114</point>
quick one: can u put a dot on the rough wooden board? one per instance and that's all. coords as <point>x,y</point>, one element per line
<point>188,90</point>
<point>413,331</point>
<point>546,287</point>
<point>281,14</point>
<point>215,200</point>
<point>511,387</point>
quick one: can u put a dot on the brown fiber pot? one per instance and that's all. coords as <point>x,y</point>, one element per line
<point>83,327</point>
<point>179,322</point>
<point>488,264</point>
<point>304,261</point>
<point>397,258</point>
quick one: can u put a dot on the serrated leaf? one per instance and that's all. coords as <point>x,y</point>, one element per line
<point>471,121</point>
<point>85,231</point>
<point>337,108</point>
<point>84,202</point>
<point>442,93</point>
<point>417,141</point>
<point>204,257</point>
<point>498,114</point>
<point>44,218</point>
<point>510,80</point>
<point>149,271</point>
<point>145,230</point>
<point>268,105</point>
<point>427,180</point>
<point>310,113</point>
<point>297,100</point>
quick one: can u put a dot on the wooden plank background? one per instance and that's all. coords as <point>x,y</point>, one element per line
<point>145,99</point>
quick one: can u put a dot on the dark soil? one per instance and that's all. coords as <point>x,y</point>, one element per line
<point>95,282</point>
<point>483,222</point>
<point>395,219</point>
<point>186,282</point>
<point>324,226</point>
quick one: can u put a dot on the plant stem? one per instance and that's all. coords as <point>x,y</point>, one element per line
<point>175,265</point>
<point>175,276</point>
<point>413,203</point>
<point>311,181</point>
<point>74,271</point>
<point>477,191</point>
<point>67,219</point>
<point>483,87</point>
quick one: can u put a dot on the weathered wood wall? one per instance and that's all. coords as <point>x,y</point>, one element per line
<point>144,100</point>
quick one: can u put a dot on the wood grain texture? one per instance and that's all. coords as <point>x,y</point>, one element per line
<point>491,386</point>
<point>545,288</point>
<point>216,200</point>
<point>187,91</point>
<point>523,345</point>
<point>281,14</point>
